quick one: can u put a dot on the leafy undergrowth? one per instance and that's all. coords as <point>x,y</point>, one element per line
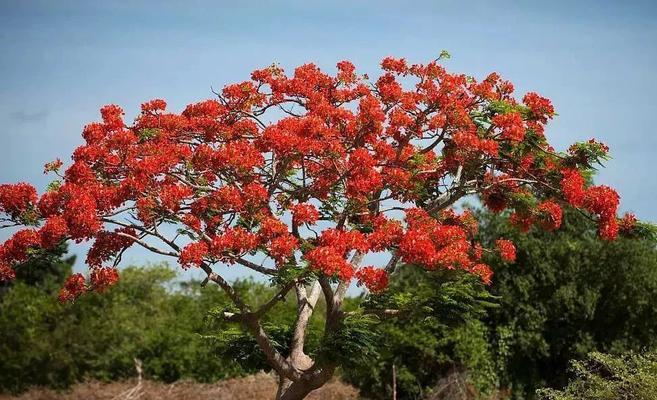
<point>259,386</point>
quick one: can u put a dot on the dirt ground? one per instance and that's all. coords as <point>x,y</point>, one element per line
<point>259,386</point>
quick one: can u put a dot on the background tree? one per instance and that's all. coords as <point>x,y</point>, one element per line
<point>147,316</point>
<point>300,178</point>
<point>439,335</point>
<point>568,294</point>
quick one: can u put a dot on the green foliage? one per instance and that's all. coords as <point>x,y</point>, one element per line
<point>606,377</point>
<point>46,343</point>
<point>438,329</point>
<point>588,154</point>
<point>46,269</point>
<point>148,133</point>
<point>568,294</point>
<point>354,343</point>
<point>230,341</point>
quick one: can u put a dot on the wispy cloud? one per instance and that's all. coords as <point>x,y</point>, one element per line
<point>27,117</point>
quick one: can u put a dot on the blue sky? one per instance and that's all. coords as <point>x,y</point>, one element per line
<point>62,60</point>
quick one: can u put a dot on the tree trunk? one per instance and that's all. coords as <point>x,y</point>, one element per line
<point>289,390</point>
<point>309,381</point>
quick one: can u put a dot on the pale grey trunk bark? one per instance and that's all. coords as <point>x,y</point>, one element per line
<point>289,390</point>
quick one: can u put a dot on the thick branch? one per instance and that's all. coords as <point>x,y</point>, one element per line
<point>252,323</point>
<point>278,297</point>
<point>392,263</point>
<point>341,290</point>
<point>258,268</point>
<point>305,310</point>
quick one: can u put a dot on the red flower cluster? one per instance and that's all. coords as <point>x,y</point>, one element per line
<point>329,261</point>
<point>572,186</point>
<point>282,248</point>
<point>434,244</point>
<point>304,213</point>
<point>375,279</point>
<point>102,278</point>
<point>506,249</point>
<point>233,242</point>
<point>551,215</point>
<point>600,200</point>
<point>109,244</point>
<point>603,201</point>
<point>385,233</point>
<point>627,224</point>
<point>16,249</point>
<point>540,107</point>
<point>16,199</point>
<point>7,273</point>
<point>53,231</point>
<point>483,271</point>
<point>74,286</point>
<point>512,126</point>
<point>193,254</point>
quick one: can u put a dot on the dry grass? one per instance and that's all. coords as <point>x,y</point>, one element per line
<point>259,386</point>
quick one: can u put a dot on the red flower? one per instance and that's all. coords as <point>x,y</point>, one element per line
<point>7,273</point>
<point>375,279</point>
<point>102,278</point>
<point>506,249</point>
<point>74,286</point>
<point>627,224</point>
<point>16,249</point>
<point>193,254</point>
<point>331,262</point>
<point>602,200</point>
<point>496,200</point>
<point>304,213</point>
<point>572,186</point>
<point>346,72</point>
<point>154,106</point>
<point>52,166</point>
<point>15,199</point>
<point>233,242</point>
<point>608,228</point>
<point>112,116</point>
<point>540,107</point>
<point>81,215</point>
<point>522,221</point>
<point>397,65</point>
<point>483,271</point>
<point>551,215</point>
<point>108,245</point>
<point>50,203</point>
<point>512,126</point>
<point>386,233</point>
<point>282,247</point>
<point>53,232</point>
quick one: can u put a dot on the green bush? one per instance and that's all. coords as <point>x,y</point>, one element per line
<point>46,343</point>
<point>606,377</point>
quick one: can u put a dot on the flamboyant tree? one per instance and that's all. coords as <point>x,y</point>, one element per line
<point>300,178</point>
